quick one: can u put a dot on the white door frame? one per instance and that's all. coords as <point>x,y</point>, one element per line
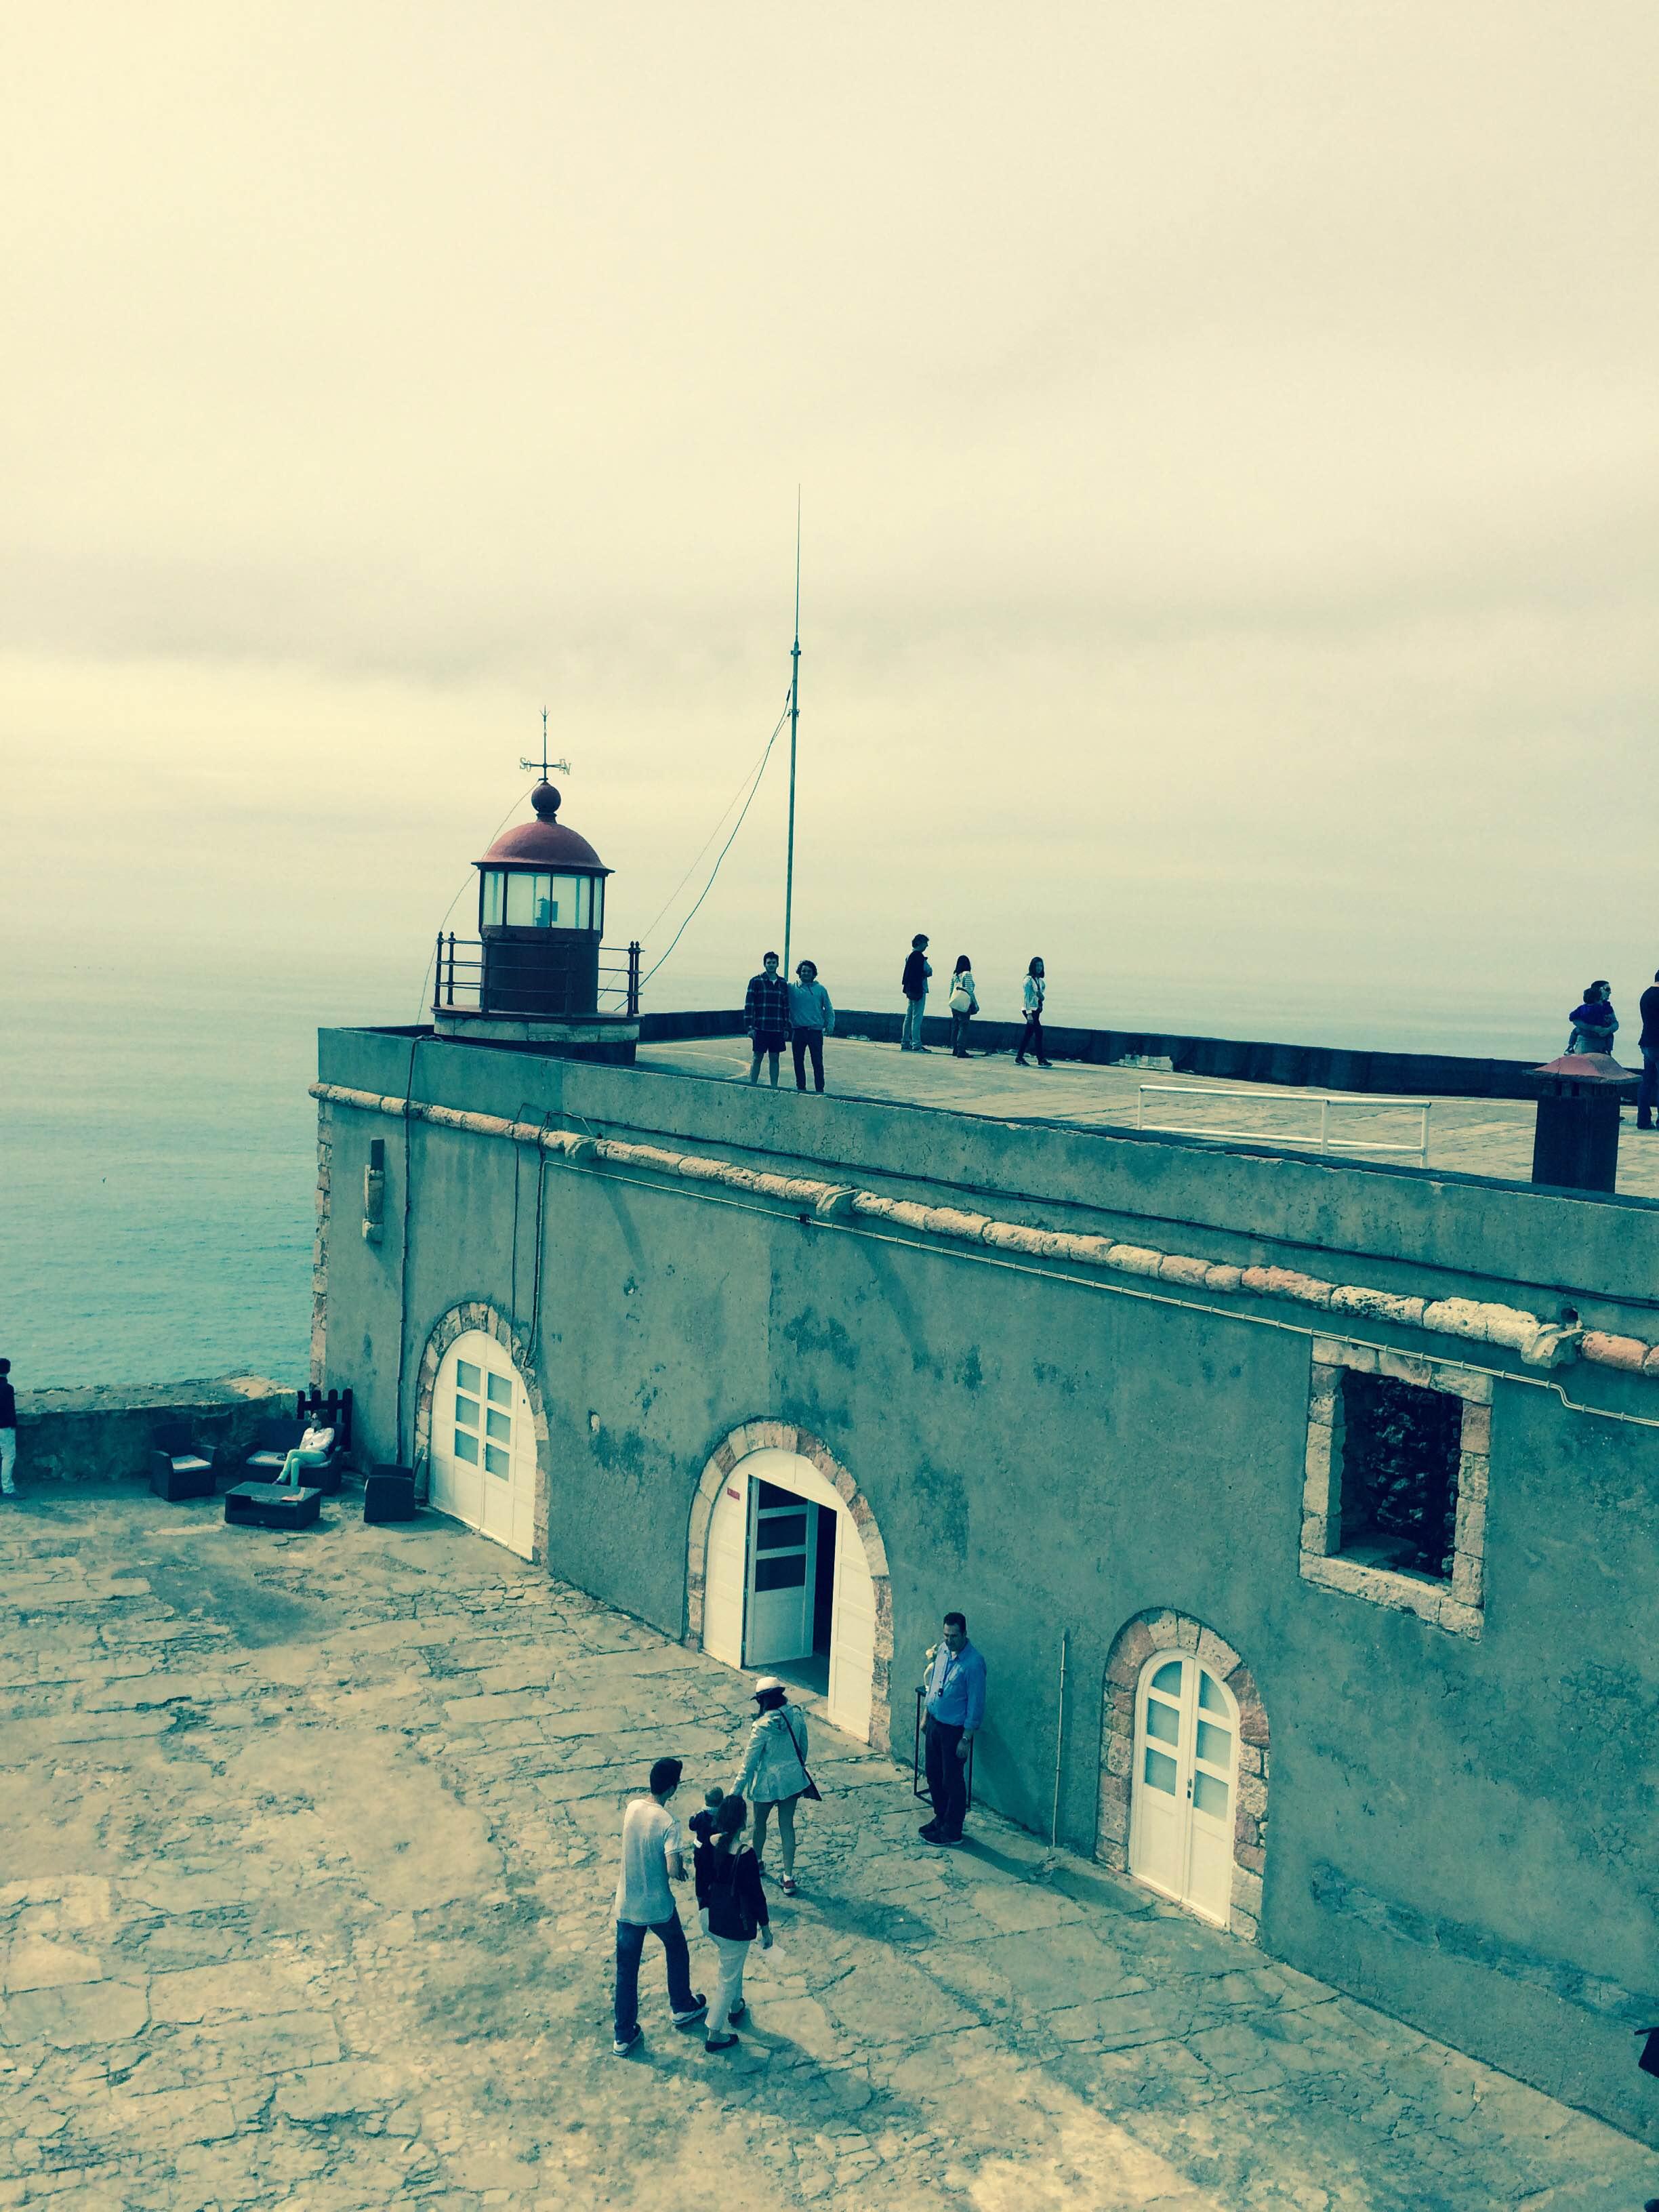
<point>483,1443</point>
<point>726,1573</point>
<point>1184,1784</point>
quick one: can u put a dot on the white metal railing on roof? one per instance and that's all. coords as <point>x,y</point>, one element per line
<point>1324,1140</point>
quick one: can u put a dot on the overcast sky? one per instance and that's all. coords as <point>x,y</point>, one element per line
<point>1226,437</point>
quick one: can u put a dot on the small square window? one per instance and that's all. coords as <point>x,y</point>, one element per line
<point>1397,1496</point>
<point>1161,1771</point>
<point>1210,1796</point>
<point>1394,1500</point>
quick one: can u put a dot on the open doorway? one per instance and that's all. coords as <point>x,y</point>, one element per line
<point>787,1585</point>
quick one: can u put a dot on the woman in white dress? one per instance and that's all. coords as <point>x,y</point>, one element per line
<point>775,1769</point>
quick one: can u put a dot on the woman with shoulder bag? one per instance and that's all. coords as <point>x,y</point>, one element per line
<point>964,1005</point>
<point>728,1877</point>
<point>775,1771</point>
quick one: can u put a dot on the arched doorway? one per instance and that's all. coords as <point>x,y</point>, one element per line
<point>786,1574</point>
<point>478,1425</point>
<point>1182,1785</point>
<point>1184,1763</point>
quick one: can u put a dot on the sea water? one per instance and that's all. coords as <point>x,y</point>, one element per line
<point>158,1144</point>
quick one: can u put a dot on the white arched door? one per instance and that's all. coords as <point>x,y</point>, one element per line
<point>1185,1773</point>
<point>783,1550</point>
<point>483,1444</point>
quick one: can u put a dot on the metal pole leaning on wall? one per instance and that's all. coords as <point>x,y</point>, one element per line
<point>1060,1743</point>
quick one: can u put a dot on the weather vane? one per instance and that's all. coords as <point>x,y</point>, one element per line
<point>545,764</point>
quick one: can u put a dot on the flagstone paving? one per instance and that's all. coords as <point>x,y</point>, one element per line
<point>306,1848</point>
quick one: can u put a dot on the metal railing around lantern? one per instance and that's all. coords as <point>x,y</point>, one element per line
<point>460,971</point>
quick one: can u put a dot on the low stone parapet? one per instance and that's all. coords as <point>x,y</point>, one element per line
<point>105,1434</point>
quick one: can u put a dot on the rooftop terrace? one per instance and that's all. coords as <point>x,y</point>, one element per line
<point>1479,1136</point>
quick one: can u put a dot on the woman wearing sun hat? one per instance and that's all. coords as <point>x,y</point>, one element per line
<point>775,1771</point>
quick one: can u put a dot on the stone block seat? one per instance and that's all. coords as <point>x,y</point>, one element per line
<point>271,1505</point>
<point>275,1440</point>
<point>389,1492</point>
<point>180,1468</point>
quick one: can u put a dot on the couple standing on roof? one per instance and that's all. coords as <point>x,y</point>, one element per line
<point>798,1014</point>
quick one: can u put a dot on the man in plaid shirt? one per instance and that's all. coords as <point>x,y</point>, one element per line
<point>766,1015</point>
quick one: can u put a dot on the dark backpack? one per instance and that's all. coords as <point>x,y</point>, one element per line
<point>729,1914</point>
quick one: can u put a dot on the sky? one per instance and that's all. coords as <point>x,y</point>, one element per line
<point>1224,439</point>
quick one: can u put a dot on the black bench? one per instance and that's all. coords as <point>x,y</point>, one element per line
<point>277,1439</point>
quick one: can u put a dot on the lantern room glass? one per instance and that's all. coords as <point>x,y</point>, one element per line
<point>528,898</point>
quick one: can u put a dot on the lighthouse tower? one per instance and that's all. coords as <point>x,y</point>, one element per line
<point>535,975</point>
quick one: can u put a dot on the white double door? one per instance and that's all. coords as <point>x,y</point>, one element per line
<point>764,1570</point>
<point>483,1444</point>
<point>1185,1775</point>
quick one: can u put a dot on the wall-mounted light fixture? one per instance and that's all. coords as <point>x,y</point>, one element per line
<point>375,1192</point>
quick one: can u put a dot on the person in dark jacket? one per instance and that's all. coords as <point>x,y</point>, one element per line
<point>8,1431</point>
<point>1647,1096</point>
<point>766,1016</point>
<point>914,984</point>
<point>729,1892</point>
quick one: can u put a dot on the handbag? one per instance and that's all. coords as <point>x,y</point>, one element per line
<point>962,1002</point>
<point>812,1790</point>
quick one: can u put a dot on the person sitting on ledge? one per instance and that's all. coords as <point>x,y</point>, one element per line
<point>312,1451</point>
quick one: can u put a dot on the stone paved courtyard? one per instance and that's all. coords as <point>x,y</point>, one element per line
<point>305,1865</point>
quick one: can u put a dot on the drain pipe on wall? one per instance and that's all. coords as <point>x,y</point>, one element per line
<point>1060,1743</point>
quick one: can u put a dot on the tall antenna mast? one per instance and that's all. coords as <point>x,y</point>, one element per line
<point>794,730</point>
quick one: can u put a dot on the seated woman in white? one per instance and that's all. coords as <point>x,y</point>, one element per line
<point>312,1451</point>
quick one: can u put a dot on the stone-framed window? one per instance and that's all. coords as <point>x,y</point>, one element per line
<point>1394,1500</point>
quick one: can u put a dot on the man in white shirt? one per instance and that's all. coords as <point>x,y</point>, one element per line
<point>651,1856</point>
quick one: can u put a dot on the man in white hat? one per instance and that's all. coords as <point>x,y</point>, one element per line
<point>775,1771</point>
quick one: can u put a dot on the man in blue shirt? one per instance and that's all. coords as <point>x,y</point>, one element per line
<point>956,1708</point>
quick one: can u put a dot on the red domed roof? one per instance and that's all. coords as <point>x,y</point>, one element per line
<point>545,842</point>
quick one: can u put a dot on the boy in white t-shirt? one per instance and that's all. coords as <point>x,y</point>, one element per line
<point>651,1857</point>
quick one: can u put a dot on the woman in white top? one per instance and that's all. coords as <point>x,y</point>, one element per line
<point>1037,991</point>
<point>312,1451</point>
<point>964,1005</point>
<point>775,1769</point>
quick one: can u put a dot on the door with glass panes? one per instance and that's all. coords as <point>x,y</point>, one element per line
<point>483,1444</point>
<point>783,1530</point>
<point>1186,1769</point>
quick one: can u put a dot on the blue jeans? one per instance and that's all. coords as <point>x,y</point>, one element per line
<point>910,1035</point>
<point>1647,1093</point>
<point>630,1948</point>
